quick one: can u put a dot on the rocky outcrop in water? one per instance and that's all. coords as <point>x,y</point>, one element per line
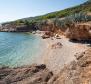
<point>12,27</point>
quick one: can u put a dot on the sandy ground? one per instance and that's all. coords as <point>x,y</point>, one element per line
<point>55,59</point>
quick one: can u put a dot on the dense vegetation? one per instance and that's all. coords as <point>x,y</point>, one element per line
<point>72,19</point>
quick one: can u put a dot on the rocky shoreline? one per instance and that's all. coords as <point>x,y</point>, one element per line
<point>53,66</point>
<point>66,57</point>
<point>34,74</point>
<point>59,52</point>
<point>77,72</point>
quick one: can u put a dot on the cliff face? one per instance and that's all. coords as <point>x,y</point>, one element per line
<point>14,28</point>
<point>50,25</point>
<point>79,31</point>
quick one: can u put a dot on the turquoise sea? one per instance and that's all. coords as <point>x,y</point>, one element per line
<point>17,49</point>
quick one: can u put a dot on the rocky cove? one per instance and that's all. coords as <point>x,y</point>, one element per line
<point>61,53</point>
<point>53,64</point>
<point>57,51</point>
<point>77,72</point>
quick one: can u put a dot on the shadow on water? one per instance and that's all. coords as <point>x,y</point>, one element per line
<point>88,41</point>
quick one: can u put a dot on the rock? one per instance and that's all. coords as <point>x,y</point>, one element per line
<point>34,74</point>
<point>57,36</point>
<point>79,55</point>
<point>42,66</point>
<point>56,45</point>
<point>12,27</point>
<point>85,60</point>
<point>45,36</point>
<point>79,32</point>
<point>77,72</point>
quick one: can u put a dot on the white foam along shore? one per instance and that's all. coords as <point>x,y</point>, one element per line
<point>57,58</point>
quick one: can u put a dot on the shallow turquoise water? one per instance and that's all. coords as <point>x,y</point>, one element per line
<point>17,49</point>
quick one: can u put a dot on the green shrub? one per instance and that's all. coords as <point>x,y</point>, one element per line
<point>72,19</point>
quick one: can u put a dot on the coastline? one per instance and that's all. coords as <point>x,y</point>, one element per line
<point>56,59</point>
<point>56,62</point>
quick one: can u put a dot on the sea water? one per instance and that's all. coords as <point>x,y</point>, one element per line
<point>17,49</point>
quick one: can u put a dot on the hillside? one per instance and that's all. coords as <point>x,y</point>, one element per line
<point>64,22</point>
<point>85,7</point>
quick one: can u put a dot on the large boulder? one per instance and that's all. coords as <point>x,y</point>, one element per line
<point>56,45</point>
